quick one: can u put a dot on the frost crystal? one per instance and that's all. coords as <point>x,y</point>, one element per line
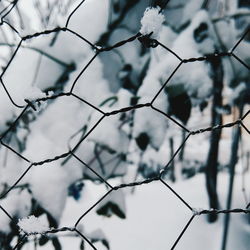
<point>151,22</point>
<point>32,225</point>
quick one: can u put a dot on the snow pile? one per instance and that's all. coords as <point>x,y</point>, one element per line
<point>116,139</point>
<point>150,122</point>
<point>196,82</point>
<point>152,22</point>
<point>191,79</point>
<point>32,224</point>
<point>56,180</point>
<point>198,39</point>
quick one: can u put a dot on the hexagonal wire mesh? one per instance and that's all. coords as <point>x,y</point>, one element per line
<point>99,175</point>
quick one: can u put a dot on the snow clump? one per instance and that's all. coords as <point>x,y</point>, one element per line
<point>32,225</point>
<point>152,22</point>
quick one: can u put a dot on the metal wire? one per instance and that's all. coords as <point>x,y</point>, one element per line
<point>147,41</point>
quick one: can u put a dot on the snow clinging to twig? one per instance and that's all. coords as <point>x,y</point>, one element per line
<point>152,22</point>
<point>32,224</point>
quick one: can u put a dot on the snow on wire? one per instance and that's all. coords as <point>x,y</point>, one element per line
<point>147,40</point>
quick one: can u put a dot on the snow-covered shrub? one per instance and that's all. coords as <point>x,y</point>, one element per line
<point>81,126</point>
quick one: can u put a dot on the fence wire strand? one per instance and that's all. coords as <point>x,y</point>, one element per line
<point>148,42</point>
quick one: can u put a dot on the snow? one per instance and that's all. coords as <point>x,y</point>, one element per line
<point>97,234</point>
<point>110,146</point>
<point>190,10</point>
<point>7,111</point>
<point>23,66</point>
<point>18,204</point>
<point>147,119</point>
<point>116,139</point>
<point>152,123</point>
<point>56,180</point>
<point>91,86</point>
<point>50,139</point>
<point>153,210</point>
<point>166,36</point>
<point>32,224</point>
<point>124,98</point>
<point>117,199</point>
<point>92,12</point>
<point>33,93</point>
<point>193,77</point>
<point>186,46</point>
<point>152,21</point>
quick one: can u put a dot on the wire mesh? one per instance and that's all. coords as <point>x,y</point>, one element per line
<point>149,43</point>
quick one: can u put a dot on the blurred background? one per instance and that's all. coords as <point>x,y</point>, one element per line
<point>69,83</point>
